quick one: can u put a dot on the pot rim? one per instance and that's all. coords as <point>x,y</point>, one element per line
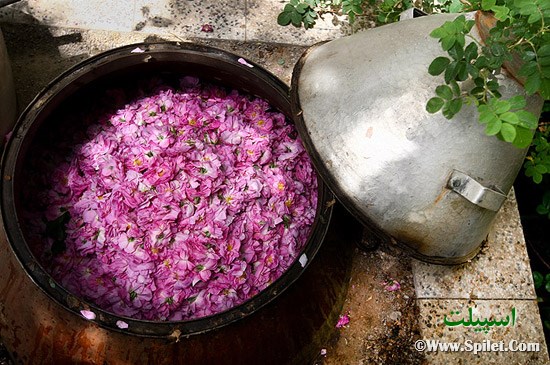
<point>79,76</point>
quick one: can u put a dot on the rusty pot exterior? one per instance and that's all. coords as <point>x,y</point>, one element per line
<point>40,322</point>
<point>8,107</point>
<point>431,184</point>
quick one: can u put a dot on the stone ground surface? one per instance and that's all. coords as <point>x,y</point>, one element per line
<point>44,38</point>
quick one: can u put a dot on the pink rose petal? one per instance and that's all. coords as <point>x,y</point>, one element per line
<point>392,285</point>
<point>88,314</point>
<point>343,320</point>
<point>242,61</point>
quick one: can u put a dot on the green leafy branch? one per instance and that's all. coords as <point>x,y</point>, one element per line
<point>297,12</point>
<point>306,12</point>
<point>541,281</point>
<point>506,119</point>
<point>537,162</point>
<point>544,207</point>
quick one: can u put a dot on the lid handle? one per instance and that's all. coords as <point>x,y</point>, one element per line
<point>474,192</point>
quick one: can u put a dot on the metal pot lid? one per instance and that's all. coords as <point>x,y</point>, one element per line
<point>315,143</point>
<point>359,105</point>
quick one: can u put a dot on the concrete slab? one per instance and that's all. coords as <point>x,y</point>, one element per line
<point>186,18</point>
<point>500,271</point>
<point>90,14</point>
<point>525,331</point>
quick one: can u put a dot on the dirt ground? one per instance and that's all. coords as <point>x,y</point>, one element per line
<point>383,324</point>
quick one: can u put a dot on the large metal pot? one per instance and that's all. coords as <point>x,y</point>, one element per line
<point>40,322</point>
<point>430,184</point>
<point>8,107</point>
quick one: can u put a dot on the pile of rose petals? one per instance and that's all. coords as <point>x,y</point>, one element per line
<point>183,203</point>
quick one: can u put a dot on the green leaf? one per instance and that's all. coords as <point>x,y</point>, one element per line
<point>488,117</point>
<point>456,6</point>
<point>527,119</point>
<point>284,18</point>
<point>456,52</point>
<point>351,8</point>
<point>302,8</point>
<point>500,106</point>
<point>493,127</point>
<point>447,43</point>
<point>468,26</point>
<point>455,105</point>
<point>532,84</point>
<point>544,88</point>
<point>510,117</point>
<point>517,102</point>
<point>477,92</point>
<point>487,4</point>
<point>544,60</point>
<point>456,88</point>
<point>508,132</point>
<point>444,91</point>
<point>528,9</point>
<point>498,50</point>
<point>501,12</point>
<point>471,52</point>
<point>439,32</point>
<point>308,21</point>
<point>528,68</point>
<point>537,279</point>
<point>523,138</point>
<point>544,51</point>
<point>534,17</point>
<point>542,210</point>
<point>541,169</point>
<point>481,62</point>
<point>438,65</point>
<point>434,105</point>
<point>357,9</point>
<point>289,8</point>
<point>296,19</point>
<point>451,71</point>
<point>451,108</point>
<point>461,71</point>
